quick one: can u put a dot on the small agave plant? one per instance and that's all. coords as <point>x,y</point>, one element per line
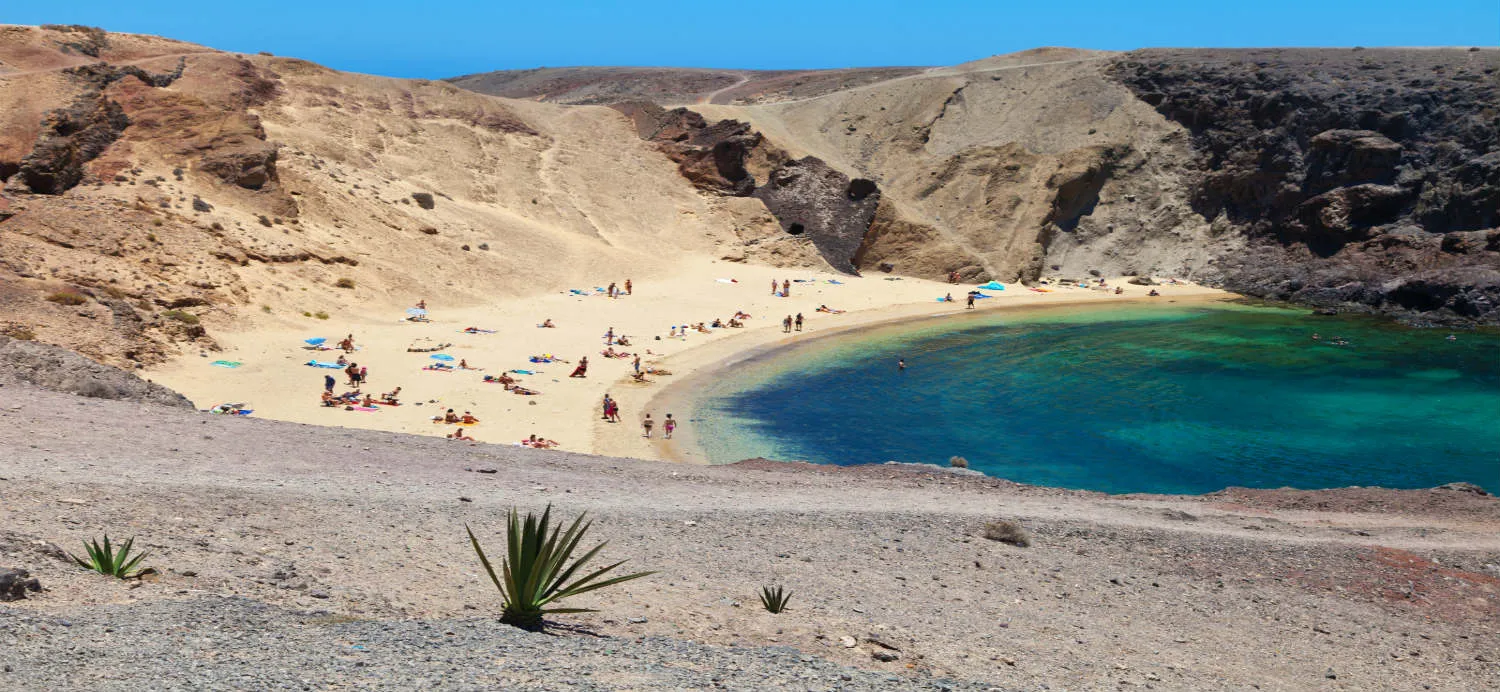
<point>774,599</point>
<point>102,558</point>
<point>536,572</point>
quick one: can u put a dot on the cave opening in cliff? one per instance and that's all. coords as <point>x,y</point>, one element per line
<point>795,229</point>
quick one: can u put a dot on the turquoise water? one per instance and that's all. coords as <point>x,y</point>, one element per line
<point>1159,399</point>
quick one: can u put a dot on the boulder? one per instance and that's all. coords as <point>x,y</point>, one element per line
<point>15,583</point>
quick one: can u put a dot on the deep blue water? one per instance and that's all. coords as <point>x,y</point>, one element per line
<point>1173,400</point>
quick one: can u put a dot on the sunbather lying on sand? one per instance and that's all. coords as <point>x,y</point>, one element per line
<point>464,365</point>
<point>504,378</point>
<point>538,442</point>
<point>477,330</point>
<point>547,324</point>
<point>518,389</point>
<point>741,315</point>
<point>441,367</point>
<point>459,435</point>
<point>831,311</point>
<point>639,377</point>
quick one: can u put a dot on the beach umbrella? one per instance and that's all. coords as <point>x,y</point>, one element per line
<point>441,356</point>
<point>416,312</point>
<point>315,341</point>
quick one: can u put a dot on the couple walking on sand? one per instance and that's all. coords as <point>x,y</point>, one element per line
<point>667,426</point>
<point>789,322</point>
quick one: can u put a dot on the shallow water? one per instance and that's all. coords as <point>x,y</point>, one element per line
<point>1157,399</point>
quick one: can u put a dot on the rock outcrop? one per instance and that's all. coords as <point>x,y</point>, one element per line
<point>1365,179</point>
<point>808,198</point>
<point>58,369</point>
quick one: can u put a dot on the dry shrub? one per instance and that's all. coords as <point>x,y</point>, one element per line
<point>67,298</point>
<point>344,283</point>
<point>20,333</point>
<point>1007,532</point>
<point>958,462</point>
<point>181,316</point>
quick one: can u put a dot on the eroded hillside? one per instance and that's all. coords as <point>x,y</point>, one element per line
<point>156,190</point>
<point>1344,178</point>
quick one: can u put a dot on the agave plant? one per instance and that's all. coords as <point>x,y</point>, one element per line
<point>536,573</point>
<point>105,560</point>
<point>774,599</point>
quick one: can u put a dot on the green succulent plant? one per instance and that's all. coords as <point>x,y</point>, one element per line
<point>102,558</point>
<point>536,573</point>
<point>774,599</point>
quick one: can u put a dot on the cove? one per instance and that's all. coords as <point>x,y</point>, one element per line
<point>1158,399</point>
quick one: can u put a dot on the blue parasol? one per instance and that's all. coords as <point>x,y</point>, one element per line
<point>441,356</point>
<point>416,312</point>
<point>315,341</point>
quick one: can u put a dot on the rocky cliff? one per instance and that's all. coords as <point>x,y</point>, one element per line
<point>1367,179</point>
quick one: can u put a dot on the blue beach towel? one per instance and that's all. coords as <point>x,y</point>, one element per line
<point>225,363</point>
<point>440,356</point>
<point>321,364</point>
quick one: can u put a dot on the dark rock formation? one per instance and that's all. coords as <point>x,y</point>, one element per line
<point>711,156</point>
<point>810,198</point>
<point>249,163</point>
<point>70,138</point>
<point>424,199</point>
<point>807,196</point>
<point>58,369</point>
<point>73,136</point>
<point>1351,171</point>
<point>15,583</point>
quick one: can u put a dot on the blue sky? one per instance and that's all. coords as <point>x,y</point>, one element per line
<point>416,39</point>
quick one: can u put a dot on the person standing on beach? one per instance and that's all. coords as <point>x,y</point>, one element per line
<point>786,288</point>
<point>611,290</point>
<point>799,321</point>
<point>786,325</point>
<point>364,374</point>
<point>970,306</point>
<point>637,363</point>
<point>328,383</point>
<point>627,287</point>
<point>647,423</point>
<point>774,287</point>
<point>607,402</point>
<point>667,427</point>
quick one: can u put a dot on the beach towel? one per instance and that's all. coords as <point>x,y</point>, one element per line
<point>439,368</point>
<point>481,331</point>
<point>539,359</point>
<point>226,363</point>
<point>366,408</point>
<point>321,364</point>
<point>441,356</point>
<point>836,282</point>
<point>727,281</point>
<point>993,286</point>
<point>1040,290</point>
<point>526,372</point>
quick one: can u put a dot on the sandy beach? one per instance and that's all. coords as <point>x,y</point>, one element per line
<point>273,380</point>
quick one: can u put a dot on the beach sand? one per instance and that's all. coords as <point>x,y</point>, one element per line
<point>274,381</point>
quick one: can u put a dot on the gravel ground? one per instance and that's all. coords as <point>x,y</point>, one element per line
<point>253,524</point>
<point>239,644</point>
